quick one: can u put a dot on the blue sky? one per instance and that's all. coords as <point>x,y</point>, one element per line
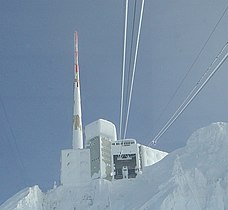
<point>36,75</point>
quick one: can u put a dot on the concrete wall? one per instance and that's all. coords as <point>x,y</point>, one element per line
<point>75,166</point>
<point>125,154</point>
<point>95,158</point>
<point>106,158</point>
<point>100,128</point>
<point>100,157</point>
<point>150,156</point>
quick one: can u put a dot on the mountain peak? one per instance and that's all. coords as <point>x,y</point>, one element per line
<point>192,177</point>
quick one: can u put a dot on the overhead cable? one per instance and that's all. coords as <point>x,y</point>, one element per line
<point>129,73</point>
<point>134,67</point>
<point>194,92</point>
<point>193,64</point>
<point>17,152</point>
<point>123,69</point>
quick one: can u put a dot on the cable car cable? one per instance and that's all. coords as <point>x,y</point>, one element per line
<point>192,65</point>
<point>17,153</point>
<point>134,67</point>
<point>129,74</point>
<point>187,101</point>
<point>123,68</point>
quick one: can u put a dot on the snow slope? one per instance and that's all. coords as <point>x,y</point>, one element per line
<point>193,177</point>
<point>29,198</point>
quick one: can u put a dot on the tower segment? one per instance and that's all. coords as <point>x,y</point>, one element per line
<point>77,113</point>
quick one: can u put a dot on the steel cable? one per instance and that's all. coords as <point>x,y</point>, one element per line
<point>194,92</point>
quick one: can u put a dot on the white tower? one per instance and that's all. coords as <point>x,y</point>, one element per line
<point>77,113</point>
<point>75,162</point>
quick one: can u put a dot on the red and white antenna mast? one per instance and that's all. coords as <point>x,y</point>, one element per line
<point>77,113</point>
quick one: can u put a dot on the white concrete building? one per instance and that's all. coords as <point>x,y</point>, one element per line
<point>126,161</point>
<point>103,157</point>
<point>75,166</point>
<point>99,135</point>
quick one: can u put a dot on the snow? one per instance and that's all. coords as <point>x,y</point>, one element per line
<point>100,128</point>
<point>75,166</point>
<point>150,156</point>
<point>193,177</point>
<point>29,198</point>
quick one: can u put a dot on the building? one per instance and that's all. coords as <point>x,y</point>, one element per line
<point>126,161</point>
<point>99,136</point>
<point>103,156</point>
<point>75,166</point>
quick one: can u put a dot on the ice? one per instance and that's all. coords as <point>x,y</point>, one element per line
<point>192,177</point>
<point>100,127</point>
<point>29,198</point>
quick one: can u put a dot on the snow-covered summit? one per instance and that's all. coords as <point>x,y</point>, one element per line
<point>193,177</point>
<point>28,198</point>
